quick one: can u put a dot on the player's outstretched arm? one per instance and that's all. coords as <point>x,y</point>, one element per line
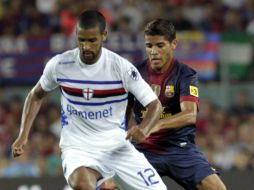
<point>140,132</point>
<point>187,116</point>
<point>31,107</point>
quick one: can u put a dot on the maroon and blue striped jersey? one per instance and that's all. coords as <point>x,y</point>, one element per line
<point>179,83</point>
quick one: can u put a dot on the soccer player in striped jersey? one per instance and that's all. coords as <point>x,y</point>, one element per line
<point>171,147</point>
<point>94,84</point>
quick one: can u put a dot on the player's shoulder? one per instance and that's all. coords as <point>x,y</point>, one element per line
<point>142,63</point>
<point>141,66</point>
<point>62,61</point>
<point>110,54</point>
<point>185,69</point>
<point>116,61</point>
<point>67,58</point>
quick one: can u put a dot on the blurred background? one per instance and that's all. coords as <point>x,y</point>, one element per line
<point>215,38</point>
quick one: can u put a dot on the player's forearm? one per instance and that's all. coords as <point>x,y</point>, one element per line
<point>178,120</point>
<point>31,107</point>
<point>152,116</point>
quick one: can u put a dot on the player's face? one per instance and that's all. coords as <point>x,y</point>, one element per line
<point>159,52</point>
<point>90,43</point>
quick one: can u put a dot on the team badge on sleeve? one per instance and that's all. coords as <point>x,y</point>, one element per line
<point>194,91</point>
<point>133,73</point>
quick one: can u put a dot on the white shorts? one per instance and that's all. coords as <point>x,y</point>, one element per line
<point>128,167</point>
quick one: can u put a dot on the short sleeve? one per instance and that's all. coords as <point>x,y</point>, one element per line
<point>48,79</point>
<point>189,87</point>
<point>135,84</point>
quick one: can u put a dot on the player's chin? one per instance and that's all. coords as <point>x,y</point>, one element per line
<point>156,62</point>
<point>89,60</point>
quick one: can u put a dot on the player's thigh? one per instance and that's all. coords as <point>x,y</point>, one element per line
<point>211,182</point>
<point>186,165</point>
<point>73,159</point>
<point>159,162</point>
<point>134,172</point>
<point>84,177</point>
<point>192,167</point>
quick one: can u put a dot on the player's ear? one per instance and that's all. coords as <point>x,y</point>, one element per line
<point>174,43</point>
<point>104,35</point>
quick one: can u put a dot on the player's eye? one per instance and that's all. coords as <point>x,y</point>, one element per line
<point>160,45</point>
<point>81,39</point>
<point>148,45</point>
<point>92,40</point>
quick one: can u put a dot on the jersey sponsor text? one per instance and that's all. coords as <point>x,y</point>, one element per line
<point>105,113</point>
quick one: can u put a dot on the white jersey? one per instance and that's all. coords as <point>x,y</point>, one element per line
<point>94,97</point>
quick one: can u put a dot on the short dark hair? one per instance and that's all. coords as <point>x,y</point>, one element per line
<point>161,27</point>
<point>91,18</point>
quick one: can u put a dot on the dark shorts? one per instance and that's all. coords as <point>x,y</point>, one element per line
<point>186,165</point>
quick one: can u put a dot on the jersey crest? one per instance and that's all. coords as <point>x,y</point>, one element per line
<point>87,93</point>
<point>169,91</point>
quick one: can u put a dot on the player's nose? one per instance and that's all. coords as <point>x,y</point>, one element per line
<point>154,51</point>
<point>86,46</point>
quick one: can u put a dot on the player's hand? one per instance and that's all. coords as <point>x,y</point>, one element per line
<point>108,184</point>
<point>136,134</point>
<point>18,146</point>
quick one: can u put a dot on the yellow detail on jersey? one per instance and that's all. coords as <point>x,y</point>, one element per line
<point>165,115</point>
<point>170,88</point>
<point>194,91</point>
<point>162,116</point>
<point>143,113</point>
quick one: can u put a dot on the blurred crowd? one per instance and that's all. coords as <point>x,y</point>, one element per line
<point>42,155</point>
<point>224,135</point>
<point>44,17</point>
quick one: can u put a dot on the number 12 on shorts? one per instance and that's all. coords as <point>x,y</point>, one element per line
<point>148,176</point>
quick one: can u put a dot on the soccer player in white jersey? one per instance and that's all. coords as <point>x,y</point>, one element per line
<point>94,84</point>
